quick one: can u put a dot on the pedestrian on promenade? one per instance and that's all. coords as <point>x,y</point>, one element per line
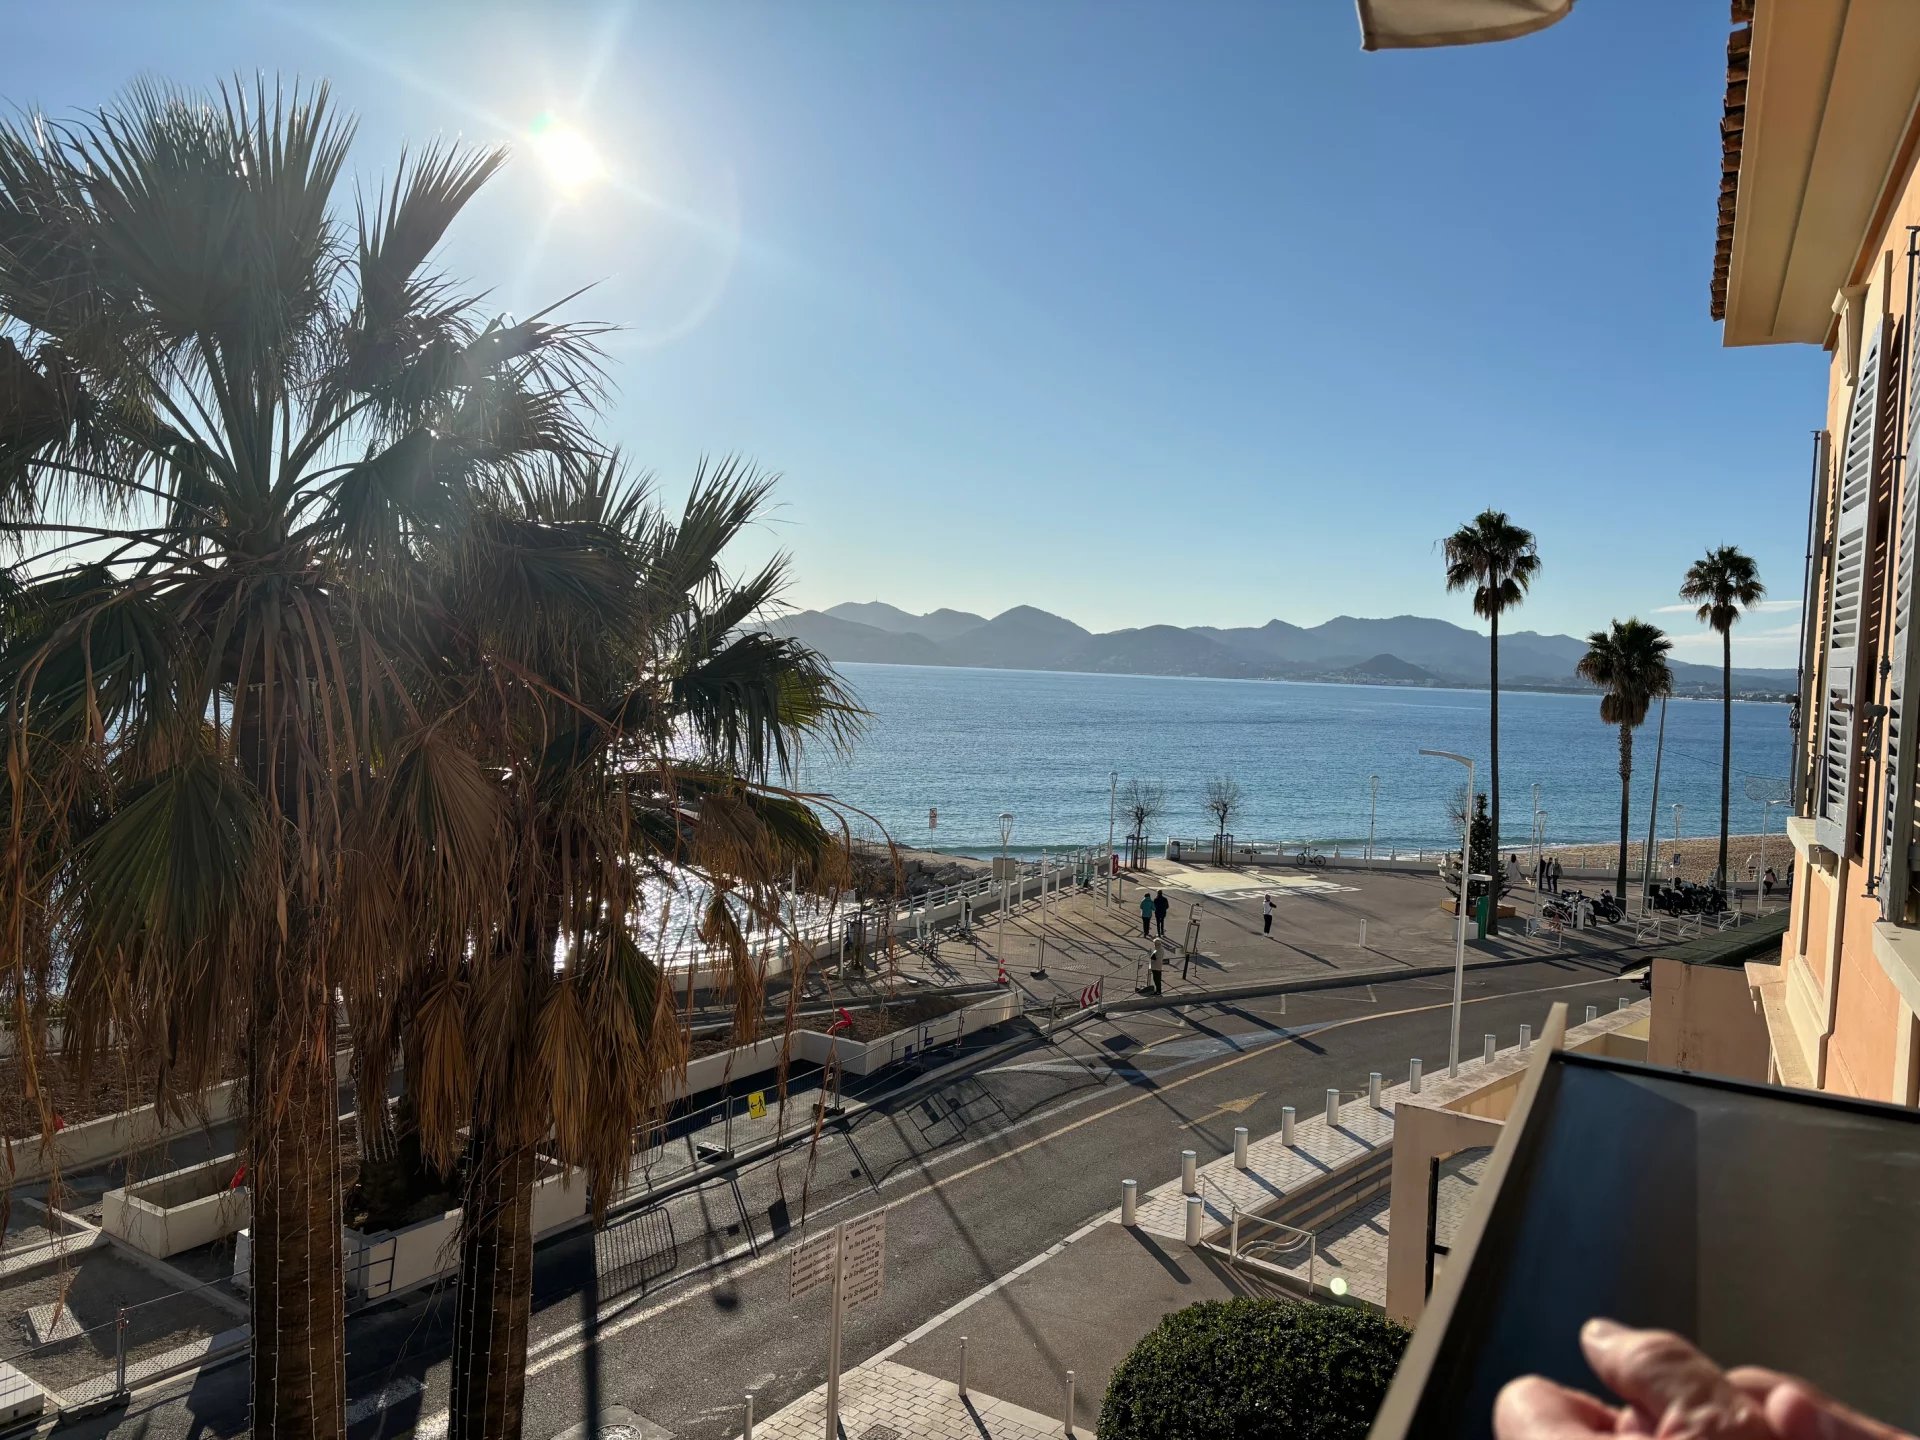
<point>1266,914</point>
<point>1154,966</point>
<point>1160,908</point>
<point>1513,872</point>
<point>1767,882</point>
<point>1146,914</point>
<point>1554,878</point>
<point>1540,873</point>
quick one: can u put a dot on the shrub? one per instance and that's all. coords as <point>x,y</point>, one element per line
<point>1254,1370</point>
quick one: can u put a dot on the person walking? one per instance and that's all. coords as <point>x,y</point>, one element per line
<point>1767,882</point>
<point>1513,872</point>
<point>1540,873</point>
<point>1146,914</point>
<point>1266,914</point>
<point>1160,908</point>
<point>1554,878</point>
<point>1154,965</point>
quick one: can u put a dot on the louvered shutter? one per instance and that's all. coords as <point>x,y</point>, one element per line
<point>1897,853</point>
<point>1846,609</point>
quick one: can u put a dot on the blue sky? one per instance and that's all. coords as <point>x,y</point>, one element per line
<point>1135,312</point>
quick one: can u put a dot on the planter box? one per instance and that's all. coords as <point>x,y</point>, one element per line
<point>181,1210</point>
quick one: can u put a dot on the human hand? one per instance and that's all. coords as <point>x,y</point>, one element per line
<point>1674,1392</point>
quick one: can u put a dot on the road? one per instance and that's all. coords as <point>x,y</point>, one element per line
<point>978,1176</point>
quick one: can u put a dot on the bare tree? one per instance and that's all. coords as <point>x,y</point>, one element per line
<point>1142,802</point>
<point>1223,802</point>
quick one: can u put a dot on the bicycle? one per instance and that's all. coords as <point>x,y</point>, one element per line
<point>1310,856</point>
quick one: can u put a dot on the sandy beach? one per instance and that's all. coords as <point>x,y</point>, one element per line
<point>1698,854</point>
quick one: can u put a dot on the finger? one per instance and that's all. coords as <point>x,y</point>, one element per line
<point>1532,1408</point>
<point>1675,1388</point>
<point>1799,1412</point>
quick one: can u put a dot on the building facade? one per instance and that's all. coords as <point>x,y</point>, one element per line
<point>1819,244</point>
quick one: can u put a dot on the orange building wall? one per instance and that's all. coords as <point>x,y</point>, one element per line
<point>1865,1011</point>
<point>1819,907</point>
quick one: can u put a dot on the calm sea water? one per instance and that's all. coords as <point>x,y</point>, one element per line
<point>1040,744</point>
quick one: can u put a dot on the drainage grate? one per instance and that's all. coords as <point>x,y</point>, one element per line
<point>880,1432</point>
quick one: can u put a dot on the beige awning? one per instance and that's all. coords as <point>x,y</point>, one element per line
<point>1416,24</point>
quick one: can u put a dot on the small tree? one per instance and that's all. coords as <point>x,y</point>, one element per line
<point>1223,802</point>
<point>1255,1370</point>
<point>1482,853</point>
<point>1142,802</point>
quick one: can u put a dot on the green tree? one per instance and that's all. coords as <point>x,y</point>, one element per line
<point>229,421</point>
<point>1628,662</point>
<point>1725,583</point>
<point>1255,1370</point>
<point>631,730</point>
<point>1496,560</point>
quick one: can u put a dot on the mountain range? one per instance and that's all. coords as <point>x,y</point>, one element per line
<point>1401,650</point>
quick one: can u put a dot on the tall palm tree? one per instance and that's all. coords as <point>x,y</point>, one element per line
<point>1724,582</point>
<point>1629,662</point>
<point>632,730</point>
<point>229,419</point>
<point>1497,560</point>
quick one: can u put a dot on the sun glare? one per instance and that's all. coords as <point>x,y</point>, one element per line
<point>571,161</point>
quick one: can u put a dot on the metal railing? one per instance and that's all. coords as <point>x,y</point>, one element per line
<point>1261,1243</point>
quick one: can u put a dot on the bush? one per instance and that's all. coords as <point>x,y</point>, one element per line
<point>1254,1370</point>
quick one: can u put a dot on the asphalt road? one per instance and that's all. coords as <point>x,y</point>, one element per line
<point>670,1313</point>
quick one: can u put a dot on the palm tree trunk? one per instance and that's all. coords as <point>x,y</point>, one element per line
<point>1493,804</point>
<point>299,1299</point>
<point>495,1293</point>
<point>1626,794</point>
<point>1726,740</point>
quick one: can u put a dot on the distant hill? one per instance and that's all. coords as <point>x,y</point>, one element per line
<point>1391,669</point>
<point>1398,650</point>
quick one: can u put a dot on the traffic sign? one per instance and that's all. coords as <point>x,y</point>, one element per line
<point>757,1104</point>
<point>866,1263</point>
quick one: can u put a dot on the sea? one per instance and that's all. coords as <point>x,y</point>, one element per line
<point>971,743</point>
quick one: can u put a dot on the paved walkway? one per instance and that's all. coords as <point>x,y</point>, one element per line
<point>883,1400</point>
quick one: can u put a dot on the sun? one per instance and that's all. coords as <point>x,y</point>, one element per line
<point>571,160</point>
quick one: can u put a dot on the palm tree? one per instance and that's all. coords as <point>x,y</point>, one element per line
<point>229,421</point>
<point>1497,560</point>
<point>1724,582</point>
<point>632,729</point>
<point>1629,662</point>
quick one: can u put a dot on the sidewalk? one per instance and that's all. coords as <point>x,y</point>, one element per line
<point>1322,918</point>
<point>906,1404</point>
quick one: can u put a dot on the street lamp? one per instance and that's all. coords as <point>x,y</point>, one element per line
<point>1373,810</point>
<point>1006,834</point>
<point>1460,930</point>
<point>1113,790</point>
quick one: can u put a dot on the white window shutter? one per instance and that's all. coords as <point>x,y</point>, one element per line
<point>1836,802</point>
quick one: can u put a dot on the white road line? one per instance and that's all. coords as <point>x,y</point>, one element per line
<point>566,1344</point>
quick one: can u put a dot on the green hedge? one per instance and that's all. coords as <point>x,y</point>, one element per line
<point>1254,1370</point>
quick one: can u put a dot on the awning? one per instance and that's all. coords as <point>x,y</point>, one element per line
<point>1418,24</point>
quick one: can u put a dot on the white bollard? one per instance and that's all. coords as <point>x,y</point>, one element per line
<point>1286,1125</point>
<point>1593,1013</point>
<point>1333,1107</point>
<point>747,1434</point>
<point>1526,1037</point>
<point>1413,1076</point>
<point>1623,1003</point>
<point>1069,1424</point>
<point>1239,1147</point>
<point>1188,1163</point>
<point>1363,932</point>
<point>963,1360</point>
<point>1195,1209</point>
<point>1486,1050</point>
<point>1373,1090</point>
<point>1129,1200</point>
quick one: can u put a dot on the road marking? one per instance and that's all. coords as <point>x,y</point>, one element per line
<point>1226,1107</point>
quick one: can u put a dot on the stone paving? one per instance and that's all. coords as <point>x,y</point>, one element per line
<point>885,1400</point>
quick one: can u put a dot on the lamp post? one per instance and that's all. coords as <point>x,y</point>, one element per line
<point>1460,929</point>
<point>1006,834</point>
<point>1373,811</point>
<point>1113,790</point>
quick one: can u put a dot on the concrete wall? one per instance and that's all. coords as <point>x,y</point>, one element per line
<point>110,1136</point>
<point>1704,1019</point>
<point>181,1210</point>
